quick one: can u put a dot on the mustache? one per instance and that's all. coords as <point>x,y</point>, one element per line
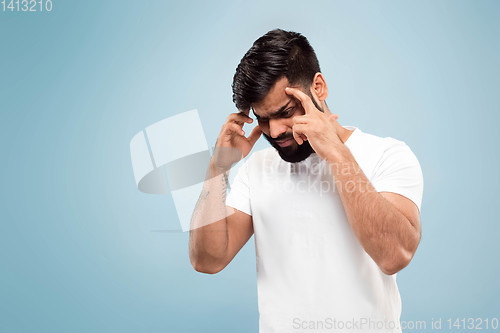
<point>283,137</point>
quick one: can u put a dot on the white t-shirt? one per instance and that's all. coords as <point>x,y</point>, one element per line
<point>312,273</point>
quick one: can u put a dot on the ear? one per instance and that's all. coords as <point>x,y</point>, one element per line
<point>319,86</point>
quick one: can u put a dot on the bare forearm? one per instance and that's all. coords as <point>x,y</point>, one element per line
<point>208,237</point>
<point>383,231</point>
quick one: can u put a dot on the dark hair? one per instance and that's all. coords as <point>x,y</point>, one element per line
<point>277,54</point>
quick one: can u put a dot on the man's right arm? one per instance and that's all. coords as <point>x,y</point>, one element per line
<point>214,240</point>
<point>218,231</point>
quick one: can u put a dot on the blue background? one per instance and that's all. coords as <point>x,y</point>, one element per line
<point>81,248</point>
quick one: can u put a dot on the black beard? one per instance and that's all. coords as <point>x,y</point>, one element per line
<point>289,153</point>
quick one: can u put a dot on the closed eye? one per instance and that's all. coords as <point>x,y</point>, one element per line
<point>262,120</point>
<point>284,114</point>
<point>288,113</point>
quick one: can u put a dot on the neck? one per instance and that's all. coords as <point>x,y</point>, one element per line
<point>342,132</point>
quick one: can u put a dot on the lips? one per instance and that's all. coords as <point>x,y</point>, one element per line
<point>285,143</point>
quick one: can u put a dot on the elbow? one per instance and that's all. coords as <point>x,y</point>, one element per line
<point>392,268</point>
<point>401,257</point>
<point>208,260</point>
<point>207,269</point>
<point>396,263</point>
<point>206,266</point>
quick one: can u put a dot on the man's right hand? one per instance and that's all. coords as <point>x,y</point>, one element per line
<point>232,145</point>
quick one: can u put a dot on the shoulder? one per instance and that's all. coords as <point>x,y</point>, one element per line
<point>255,160</point>
<point>372,151</point>
<point>362,141</point>
<point>262,156</point>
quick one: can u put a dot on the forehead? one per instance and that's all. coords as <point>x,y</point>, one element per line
<point>274,100</point>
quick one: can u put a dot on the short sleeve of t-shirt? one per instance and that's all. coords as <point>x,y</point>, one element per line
<point>239,194</point>
<point>398,171</point>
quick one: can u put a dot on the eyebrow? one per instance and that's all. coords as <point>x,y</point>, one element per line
<point>274,114</point>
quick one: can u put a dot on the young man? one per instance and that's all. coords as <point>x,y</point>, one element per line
<point>335,211</point>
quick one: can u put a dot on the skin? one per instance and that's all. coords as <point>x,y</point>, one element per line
<point>386,224</point>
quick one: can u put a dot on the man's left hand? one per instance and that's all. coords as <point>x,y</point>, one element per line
<point>319,128</point>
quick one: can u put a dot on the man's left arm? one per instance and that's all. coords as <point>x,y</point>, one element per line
<point>386,224</point>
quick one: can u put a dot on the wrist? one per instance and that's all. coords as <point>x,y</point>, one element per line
<point>218,168</point>
<point>338,154</point>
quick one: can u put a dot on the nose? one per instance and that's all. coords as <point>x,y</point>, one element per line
<point>276,127</point>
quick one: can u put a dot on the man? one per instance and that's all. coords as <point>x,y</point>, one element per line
<point>335,211</point>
